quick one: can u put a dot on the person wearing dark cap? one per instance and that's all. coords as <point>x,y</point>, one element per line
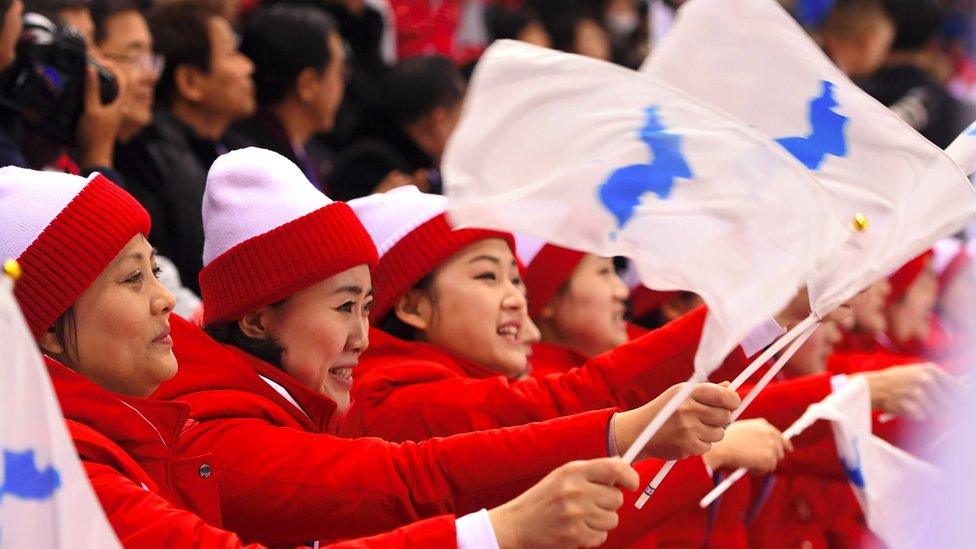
<point>423,104</point>
<point>299,66</point>
<point>906,83</point>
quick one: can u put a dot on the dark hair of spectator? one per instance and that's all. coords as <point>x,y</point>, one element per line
<point>181,33</point>
<point>65,331</point>
<point>848,18</point>
<point>400,329</point>
<point>50,8</point>
<point>418,85</point>
<point>504,23</point>
<point>562,29</point>
<point>230,333</point>
<point>282,41</point>
<point>102,10</point>
<point>917,21</point>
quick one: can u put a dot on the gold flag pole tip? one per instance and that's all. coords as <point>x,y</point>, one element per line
<point>12,269</point>
<point>860,222</point>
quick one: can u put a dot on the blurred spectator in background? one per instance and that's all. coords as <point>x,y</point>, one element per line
<point>299,66</point>
<point>575,31</point>
<point>424,96</point>
<point>11,12</point>
<point>627,26</point>
<point>908,82</point>
<point>857,35</point>
<point>122,36</point>
<point>363,27</point>
<point>520,23</point>
<point>205,87</point>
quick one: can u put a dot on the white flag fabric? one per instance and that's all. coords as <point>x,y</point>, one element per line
<point>752,60</point>
<point>45,498</point>
<point>962,150</point>
<point>883,477</point>
<point>595,157</point>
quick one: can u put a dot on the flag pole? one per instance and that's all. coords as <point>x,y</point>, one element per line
<point>775,369</point>
<point>789,433</point>
<point>763,358</point>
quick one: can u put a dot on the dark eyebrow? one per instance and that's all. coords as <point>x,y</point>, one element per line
<point>483,257</point>
<point>352,289</point>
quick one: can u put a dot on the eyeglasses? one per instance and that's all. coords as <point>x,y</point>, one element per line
<point>152,63</point>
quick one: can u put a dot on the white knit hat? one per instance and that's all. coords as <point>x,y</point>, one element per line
<point>269,233</point>
<point>413,237</point>
<point>64,230</point>
<point>527,247</point>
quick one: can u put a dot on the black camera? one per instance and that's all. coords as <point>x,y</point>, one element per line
<point>47,79</point>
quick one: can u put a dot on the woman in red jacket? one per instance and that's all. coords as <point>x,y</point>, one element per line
<point>286,285</point>
<point>449,357</point>
<point>91,298</point>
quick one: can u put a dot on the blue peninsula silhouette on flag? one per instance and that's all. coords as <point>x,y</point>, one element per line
<point>826,132</point>
<point>622,191</point>
<point>22,479</point>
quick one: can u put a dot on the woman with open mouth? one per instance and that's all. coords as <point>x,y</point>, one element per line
<point>287,290</point>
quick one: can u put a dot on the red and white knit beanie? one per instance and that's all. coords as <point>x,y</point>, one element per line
<point>269,233</point>
<point>64,230</point>
<point>547,268</point>
<point>908,273</point>
<point>413,237</point>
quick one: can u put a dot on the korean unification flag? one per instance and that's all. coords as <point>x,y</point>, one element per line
<point>752,60</point>
<point>884,478</point>
<point>595,157</point>
<point>962,150</point>
<point>45,498</point>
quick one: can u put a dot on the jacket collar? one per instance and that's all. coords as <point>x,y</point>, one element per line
<point>209,367</point>
<point>138,425</point>
<point>386,347</point>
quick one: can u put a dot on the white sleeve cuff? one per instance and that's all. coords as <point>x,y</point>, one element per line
<point>474,531</point>
<point>837,381</point>
<point>761,337</point>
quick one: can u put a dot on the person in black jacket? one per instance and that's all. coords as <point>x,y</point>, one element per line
<point>905,83</point>
<point>205,86</point>
<point>423,105</point>
<point>299,63</point>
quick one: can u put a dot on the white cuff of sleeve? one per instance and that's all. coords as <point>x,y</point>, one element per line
<point>837,381</point>
<point>761,337</point>
<point>474,531</point>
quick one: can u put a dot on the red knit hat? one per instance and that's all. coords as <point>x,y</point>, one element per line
<point>906,275</point>
<point>269,233</point>
<point>413,238</point>
<point>64,230</point>
<point>547,268</point>
<point>644,300</point>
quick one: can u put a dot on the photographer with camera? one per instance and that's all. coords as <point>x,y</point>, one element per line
<point>64,101</point>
